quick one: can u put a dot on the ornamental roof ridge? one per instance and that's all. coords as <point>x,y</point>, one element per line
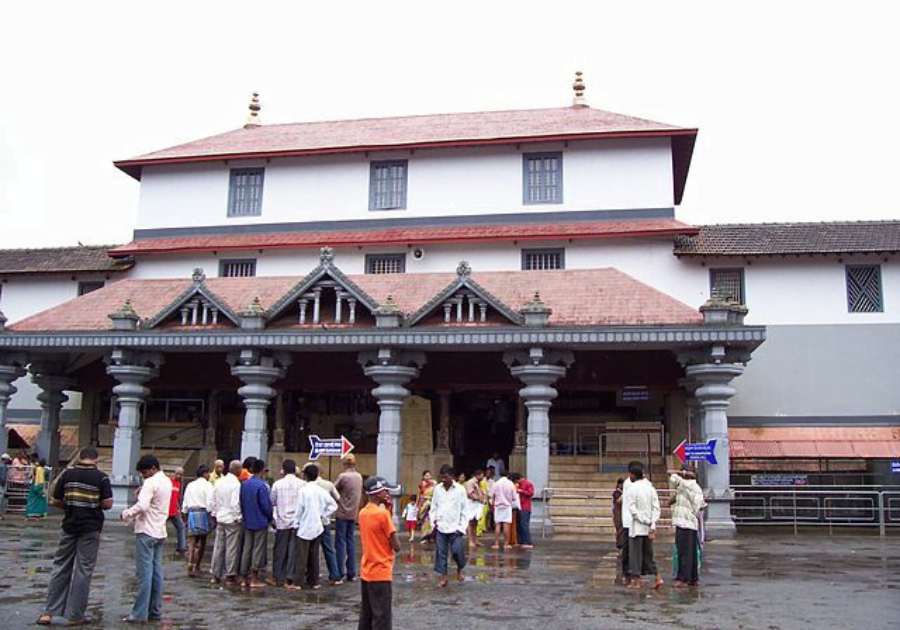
<point>325,268</point>
<point>464,279</point>
<point>198,287</point>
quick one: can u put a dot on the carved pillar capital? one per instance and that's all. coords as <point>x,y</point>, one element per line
<point>257,370</point>
<point>12,368</point>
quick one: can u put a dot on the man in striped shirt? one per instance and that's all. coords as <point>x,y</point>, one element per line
<point>83,492</point>
<point>285,499</point>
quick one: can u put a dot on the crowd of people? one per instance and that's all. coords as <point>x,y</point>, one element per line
<point>23,484</point>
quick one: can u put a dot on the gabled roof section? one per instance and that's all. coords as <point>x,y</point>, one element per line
<point>83,258</point>
<point>789,239</point>
<point>199,315</point>
<point>464,281</point>
<point>436,130</point>
<point>325,269</point>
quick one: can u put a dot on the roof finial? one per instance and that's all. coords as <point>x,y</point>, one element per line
<point>578,86</point>
<point>253,114</point>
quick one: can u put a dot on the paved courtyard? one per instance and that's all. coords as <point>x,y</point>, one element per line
<point>754,582</point>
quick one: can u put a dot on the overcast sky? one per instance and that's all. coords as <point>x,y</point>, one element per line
<point>796,101</point>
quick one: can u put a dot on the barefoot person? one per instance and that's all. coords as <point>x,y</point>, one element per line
<point>256,511</point>
<point>476,498</point>
<point>687,504</point>
<point>225,508</point>
<point>195,507</point>
<point>83,492</point>
<point>380,544</point>
<point>643,504</point>
<point>503,498</point>
<point>449,519</point>
<point>523,522</point>
<point>314,507</point>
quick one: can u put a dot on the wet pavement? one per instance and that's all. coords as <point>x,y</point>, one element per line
<point>753,582</point>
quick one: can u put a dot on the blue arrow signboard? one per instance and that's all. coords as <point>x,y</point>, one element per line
<point>895,467</point>
<point>700,451</point>
<point>337,447</point>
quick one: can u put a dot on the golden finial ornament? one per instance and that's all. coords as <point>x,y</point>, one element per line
<point>578,86</point>
<point>253,114</point>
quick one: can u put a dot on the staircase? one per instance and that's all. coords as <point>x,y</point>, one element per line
<point>580,505</point>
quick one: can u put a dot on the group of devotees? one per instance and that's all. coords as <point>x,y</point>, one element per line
<point>240,507</point>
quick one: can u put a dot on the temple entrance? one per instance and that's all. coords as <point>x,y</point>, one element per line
<point>483,423</point>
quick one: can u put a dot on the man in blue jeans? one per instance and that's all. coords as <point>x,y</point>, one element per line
<point>449,516</point>
<point>349,485</point>
<point>149,516</point>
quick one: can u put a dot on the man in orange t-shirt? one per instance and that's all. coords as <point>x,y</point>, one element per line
<point>379,543</point>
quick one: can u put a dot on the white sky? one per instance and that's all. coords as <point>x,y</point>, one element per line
<point>795,101</point>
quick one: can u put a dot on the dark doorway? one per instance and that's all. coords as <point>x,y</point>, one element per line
<point>483,422</point>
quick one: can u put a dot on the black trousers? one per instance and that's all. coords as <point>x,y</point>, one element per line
<point>375,613</point>
<point>686,546</point>
<point>640,556</point>
<point>624,553</point>
<point>283,555</point>
<point>306,561</point>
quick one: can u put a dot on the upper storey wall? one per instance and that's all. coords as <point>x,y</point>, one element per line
<point>596,175</point>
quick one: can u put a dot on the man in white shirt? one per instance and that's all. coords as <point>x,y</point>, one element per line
<point>195,505</point>
<point>314,507</point>
<point>496,462</point>
<point>626,527</point>
<point>643,504</point>
<point>449,518</point>
<point>285,497</point>
<point>149,516</point>
<point>225,508</point>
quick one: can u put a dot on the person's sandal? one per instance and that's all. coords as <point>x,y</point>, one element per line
<point>44,620</point>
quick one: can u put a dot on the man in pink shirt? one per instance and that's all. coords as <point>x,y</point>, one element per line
<point>149,516</point>
<point>503,499</point>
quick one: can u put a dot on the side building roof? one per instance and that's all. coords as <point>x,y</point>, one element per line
<point>791,239</point>
<point>82,258</point>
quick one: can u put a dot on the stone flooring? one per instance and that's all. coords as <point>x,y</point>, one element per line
<point>754,582</point>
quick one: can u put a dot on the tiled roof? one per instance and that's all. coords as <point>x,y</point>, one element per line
<point>776,239</point>
<point>814,442</point>
<point>408,130</point>
<point>406,236</point>
<point>437,130</point>
<point>595,297</point>
<point>61,260</point>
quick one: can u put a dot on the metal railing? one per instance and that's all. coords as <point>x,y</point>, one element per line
<point>14,495</point>
<point>817,506</point>
<point>601,502</point>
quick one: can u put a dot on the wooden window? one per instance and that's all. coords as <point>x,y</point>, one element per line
<point>245,192</point>
<point>542,259</point>
<point>864,289</point>
<point>727,284</point>
<point>89,286</point>
<point>387,185</point>
<point>542,178</point>
<point>237,268</point>
<point>385,263</point>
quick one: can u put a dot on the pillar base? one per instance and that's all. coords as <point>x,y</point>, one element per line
<point>719,523</point>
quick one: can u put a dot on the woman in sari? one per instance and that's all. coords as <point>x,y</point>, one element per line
<point>36,506</point>
<point>426,489</point>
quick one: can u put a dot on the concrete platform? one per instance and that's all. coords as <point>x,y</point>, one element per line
<point>753,582</point>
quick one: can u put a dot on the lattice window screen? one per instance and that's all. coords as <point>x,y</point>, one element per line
<point>542,259</point>
<point>237,268</point>
<point>385,263</point>
<point>864,289</point>
<point>727,284</point>
<point>245,192</point>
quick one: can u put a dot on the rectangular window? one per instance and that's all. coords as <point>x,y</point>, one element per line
<point>237,268</point>
<point>385,263</point>
<point>541,259</point>
<point>727,284</point>
<point>387,185</point>
<point>542,178</point>
<point>89,286</point>
<point>864,289</point>
<point>245,192</point>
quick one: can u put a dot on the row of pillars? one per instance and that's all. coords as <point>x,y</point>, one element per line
<point>392,369</point>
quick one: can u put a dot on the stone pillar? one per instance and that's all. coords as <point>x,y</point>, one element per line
<point>518,457</point>
<point>132,370</point>
<point>538,369</point>
<point>443,444</point>
<point>391,369</point>
<point>278,436</point>
<point>257,371</point>
<point>12,368</point>
<point>47,376</point>
<point>713,393</point>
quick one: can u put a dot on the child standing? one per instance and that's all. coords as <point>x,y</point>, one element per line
<point>411,516</point>
<point>379,543</point>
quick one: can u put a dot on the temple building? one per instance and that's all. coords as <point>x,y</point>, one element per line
<point>438,288</point>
